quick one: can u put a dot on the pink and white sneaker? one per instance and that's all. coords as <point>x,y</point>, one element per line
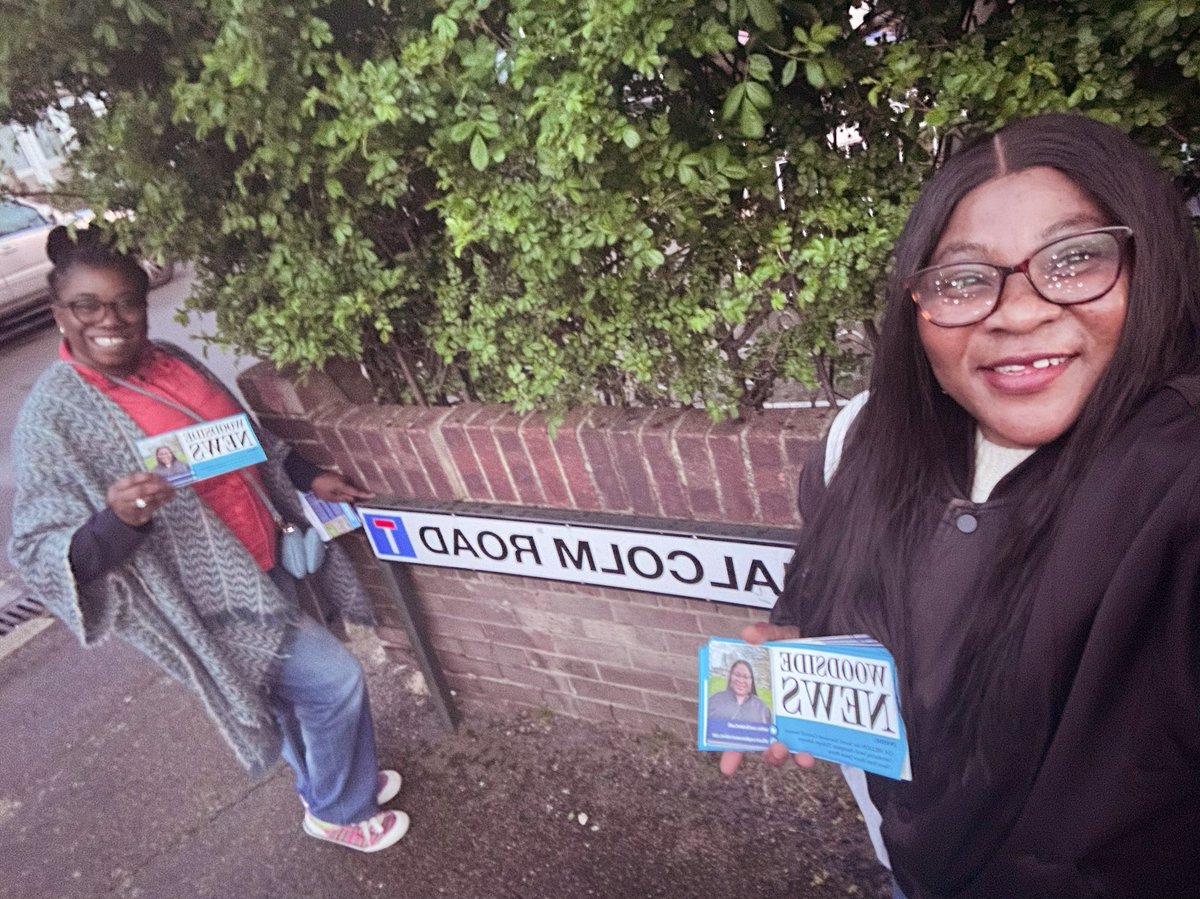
<point>387,786</point>
<point>377,832</point>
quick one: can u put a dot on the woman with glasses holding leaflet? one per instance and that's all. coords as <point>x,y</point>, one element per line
<point>191,576</point>
<point>1016,516</point>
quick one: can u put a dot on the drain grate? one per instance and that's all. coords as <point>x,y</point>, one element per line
<point>17,613</point>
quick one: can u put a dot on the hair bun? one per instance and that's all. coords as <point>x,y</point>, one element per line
<point>59,245</point>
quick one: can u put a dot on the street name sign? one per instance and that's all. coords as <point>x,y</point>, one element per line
<point>744,566</point>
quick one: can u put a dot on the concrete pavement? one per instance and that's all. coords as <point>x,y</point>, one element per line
<point>113,783</point>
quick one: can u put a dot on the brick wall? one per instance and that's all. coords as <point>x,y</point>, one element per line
<point>589,652</point>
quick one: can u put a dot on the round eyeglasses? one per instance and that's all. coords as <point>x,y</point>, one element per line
<point>90,312</point>
<point>1075,269</point>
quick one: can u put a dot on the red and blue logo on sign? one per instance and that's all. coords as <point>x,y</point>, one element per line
<point>389,537</point>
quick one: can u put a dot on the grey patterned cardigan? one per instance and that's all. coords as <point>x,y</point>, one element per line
<point>190,596</point>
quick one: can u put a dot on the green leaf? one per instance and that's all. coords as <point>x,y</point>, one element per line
<point>835,70</point>
<point>826,34</point>
<point>479,153</point>
<point>630,136</point>
<point>733,100</point>
<point>653,258</point>
<point>750,121</point>
<point>759,67</point>
<point>789,72</point>
<point>462,131</point>
<point>758,95</point>
<point>815,74</point>
<point>764,13</point>
<point>444,27</point>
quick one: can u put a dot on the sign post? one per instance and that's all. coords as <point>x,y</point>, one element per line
<point>400,589</point>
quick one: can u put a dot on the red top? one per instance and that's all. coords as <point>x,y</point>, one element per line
<point>234,501</point>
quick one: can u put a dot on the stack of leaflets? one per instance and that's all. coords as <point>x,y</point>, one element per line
<point>329,519</point>
<point>834,697</point>
<point>202,450</point>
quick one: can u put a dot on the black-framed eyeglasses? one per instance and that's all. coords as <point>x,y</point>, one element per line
<point>1074,269</point>
<point>90,312</point>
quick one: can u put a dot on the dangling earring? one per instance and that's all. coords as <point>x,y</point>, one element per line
<point>61,330</point>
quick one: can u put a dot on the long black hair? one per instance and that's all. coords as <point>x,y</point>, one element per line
<point>912,446</point>
<point>93,248</point>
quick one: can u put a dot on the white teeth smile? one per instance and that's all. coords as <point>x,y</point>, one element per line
<point>108,341</point>
<point>1037,363</point>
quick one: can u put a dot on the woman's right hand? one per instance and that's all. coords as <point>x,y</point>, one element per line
<point>775,754</point>
<point>135,498</point>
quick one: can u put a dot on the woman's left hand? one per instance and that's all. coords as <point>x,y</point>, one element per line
<point>334,488</point>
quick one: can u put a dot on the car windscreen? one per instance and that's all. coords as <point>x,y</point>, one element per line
<point>15,217</point>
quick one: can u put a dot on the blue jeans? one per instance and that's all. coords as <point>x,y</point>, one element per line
<point>320,700</point>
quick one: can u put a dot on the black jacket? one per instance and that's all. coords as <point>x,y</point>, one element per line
<point>1093,788</point>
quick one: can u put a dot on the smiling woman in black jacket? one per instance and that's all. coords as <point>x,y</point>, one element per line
<point>1016,515</point>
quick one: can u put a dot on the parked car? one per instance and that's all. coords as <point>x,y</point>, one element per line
<point>24,294</point>
<point>24,291</point>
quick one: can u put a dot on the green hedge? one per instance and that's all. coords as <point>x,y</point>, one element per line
<point>555,202</point>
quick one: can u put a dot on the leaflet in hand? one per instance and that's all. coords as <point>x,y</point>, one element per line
<point>329,519</point>
<point>202,450</point>
<point>834,697</point>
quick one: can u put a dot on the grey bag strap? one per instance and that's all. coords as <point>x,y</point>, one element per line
<point>835,440</point>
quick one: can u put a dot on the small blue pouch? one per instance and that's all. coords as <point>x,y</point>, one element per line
<point>314,550</point>
<point>301,552</point>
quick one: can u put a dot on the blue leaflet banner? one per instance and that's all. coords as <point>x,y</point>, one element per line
<point>229,462</point>
<point>834,697</point>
